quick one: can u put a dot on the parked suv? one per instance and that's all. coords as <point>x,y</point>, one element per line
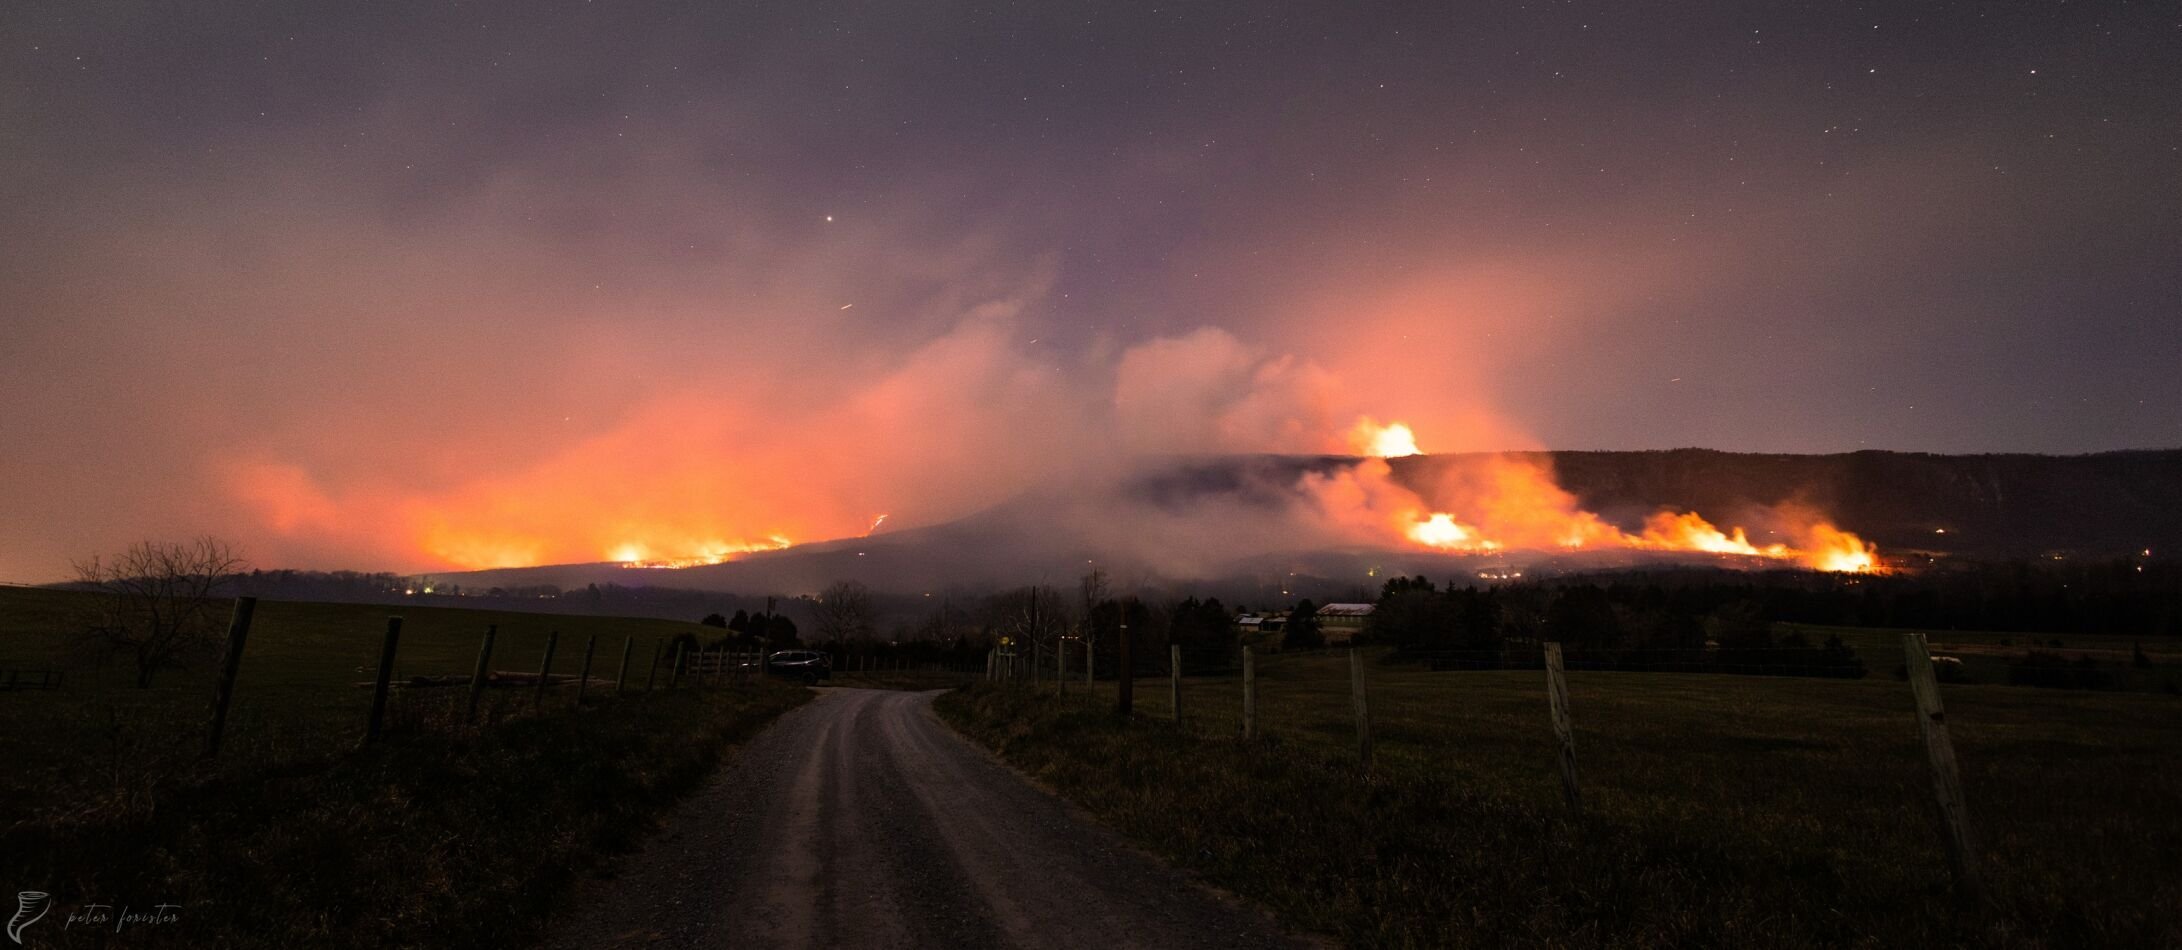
<point>810,666</point>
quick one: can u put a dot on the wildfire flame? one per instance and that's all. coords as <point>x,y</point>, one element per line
<point>1833,549</point>
<point>635,555</point>
<point>1393,440</point>
<point>1667,531</point>
<point>1441,530</point>
<point>1514,503</point>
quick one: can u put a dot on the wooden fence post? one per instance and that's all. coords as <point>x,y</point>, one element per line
<point>1939,751</point>
<point>681,656</point>
<point>238,630</point>
<point>1125,676</point>
<point>1174,680</point>
<point>1358,696</point>
<point>1060,666</point>
<point>1250,695</point>
<point>1090,663</point>
<point>482,674</point>
<point>621,676</point>
<point>545,669</point>
<point>386,672</point>
<point>1563,729</point>
<point>653,676</point>
<point>583,679</point>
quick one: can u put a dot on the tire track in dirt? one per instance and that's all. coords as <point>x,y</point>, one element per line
<point>859,820</point>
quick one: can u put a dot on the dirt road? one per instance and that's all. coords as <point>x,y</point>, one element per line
<point>860,820</point>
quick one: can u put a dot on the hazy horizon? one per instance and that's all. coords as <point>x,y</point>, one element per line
<point>453,287</point>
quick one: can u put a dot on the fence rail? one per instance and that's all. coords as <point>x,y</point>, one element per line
<point>31,679</point>
<point>1255,712</point>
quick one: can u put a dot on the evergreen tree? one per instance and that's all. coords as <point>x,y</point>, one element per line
<point>1303,631</point>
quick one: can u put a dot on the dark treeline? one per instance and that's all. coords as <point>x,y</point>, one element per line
<point>1204,629</point>
<point>1664,618</point>
<point>758,630</point>
<point>357,587</point>
<point>2133,597</point>
<point>1702,619</point>
<point>1615,626</point>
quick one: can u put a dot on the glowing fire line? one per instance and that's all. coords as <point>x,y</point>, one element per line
<point>1525,496</point>
<point>635,555</point>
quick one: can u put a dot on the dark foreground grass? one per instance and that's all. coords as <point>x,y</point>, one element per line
<point>301,694</point>
<point>438,836</point>
<point>430,841</point>
<point>1720,810</point>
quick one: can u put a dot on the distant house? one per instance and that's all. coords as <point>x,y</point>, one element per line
<point>1339,623</point>
<point>1262,629</point>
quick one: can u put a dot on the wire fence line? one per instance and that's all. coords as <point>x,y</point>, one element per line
<point>1775,661</point>
<point>304,701</point>
<point>1365,698</point>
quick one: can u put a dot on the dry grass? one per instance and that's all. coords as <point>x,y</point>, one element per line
<point>441,835</point>
<point>1721,810</point>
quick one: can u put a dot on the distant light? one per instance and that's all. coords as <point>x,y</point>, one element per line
<point>1939,530</point>
<point>829,217</point>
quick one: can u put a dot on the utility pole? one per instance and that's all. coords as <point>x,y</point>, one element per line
<point>1125,676</point>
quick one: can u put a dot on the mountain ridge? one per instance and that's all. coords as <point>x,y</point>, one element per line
<point>1213,516</point>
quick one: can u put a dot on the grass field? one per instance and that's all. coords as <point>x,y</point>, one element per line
<point>1986,656</point>
<point>439,836</point>
<point>1720,810</point>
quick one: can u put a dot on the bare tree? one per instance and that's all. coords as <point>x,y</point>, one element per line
<point>1033,618</point>
<point>1093,588</point>
<point>844,611</point>
<point>158,600</point>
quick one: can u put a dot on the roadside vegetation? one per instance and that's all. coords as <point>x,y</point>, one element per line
<point>441,834</point>
<point>1719,810</point>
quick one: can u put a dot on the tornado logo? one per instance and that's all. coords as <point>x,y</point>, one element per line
<point>29,906</point>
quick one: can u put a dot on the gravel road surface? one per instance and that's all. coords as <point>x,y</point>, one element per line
<point>860,820</point>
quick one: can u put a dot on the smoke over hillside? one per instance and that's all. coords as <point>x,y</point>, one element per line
<point>1256,520</point>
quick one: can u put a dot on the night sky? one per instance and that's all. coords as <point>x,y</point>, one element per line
<point>419,286</point>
